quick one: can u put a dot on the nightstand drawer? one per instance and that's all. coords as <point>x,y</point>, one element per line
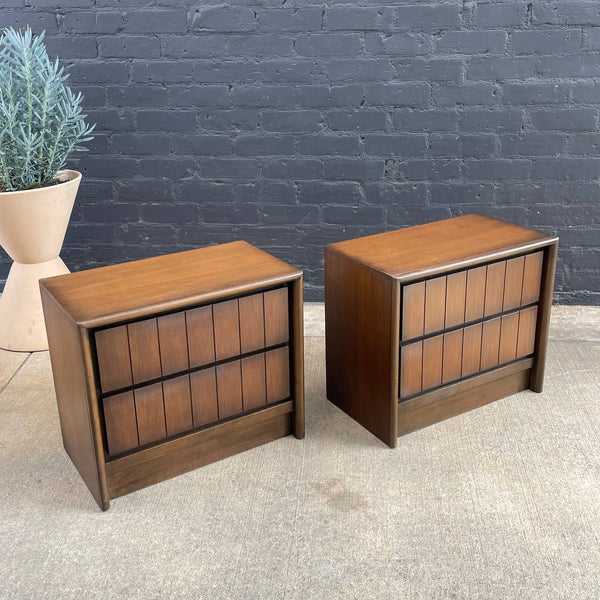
<point>465,296</point>
<point>461,353</point>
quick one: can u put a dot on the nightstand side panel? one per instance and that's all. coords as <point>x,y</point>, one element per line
<point>68,360</point>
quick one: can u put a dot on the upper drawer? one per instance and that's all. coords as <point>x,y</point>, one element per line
<point>139,352</point>
<point>451,300</point>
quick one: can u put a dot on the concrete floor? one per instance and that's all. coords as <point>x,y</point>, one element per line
<point>502,502</point>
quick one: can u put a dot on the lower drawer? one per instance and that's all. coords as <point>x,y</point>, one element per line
<point>151,413</point>
<point>454,355</point>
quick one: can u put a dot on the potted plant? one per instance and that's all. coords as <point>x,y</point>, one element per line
<point>41,125</point>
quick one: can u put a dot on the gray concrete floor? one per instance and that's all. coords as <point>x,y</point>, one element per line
<point>501,502</point>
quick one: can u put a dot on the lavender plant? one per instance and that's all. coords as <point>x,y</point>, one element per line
<point>41,123</point>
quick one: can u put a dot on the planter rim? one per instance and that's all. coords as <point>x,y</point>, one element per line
<point>69,175</point>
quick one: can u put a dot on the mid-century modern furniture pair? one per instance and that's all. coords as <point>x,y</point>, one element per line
<point>166,364</point>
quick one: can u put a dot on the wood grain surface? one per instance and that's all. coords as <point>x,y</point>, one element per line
<point>150,413</point>
<point>229,389</point>
<point>252,322</point>
<point>200,336</point>
<point>277,367</point>
<point>172,334</point>
<point>424,250</point>
<point>164,283</point>
<point>114,364</point>
<point>144,350</point>
<point>204,397</point>
<point>254,386</point>
<point>226,321</point>
<point>121,427</point>
<point>276,317</point>
<point>178,405</point>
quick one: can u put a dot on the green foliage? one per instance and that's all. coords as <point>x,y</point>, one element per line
<point>41,123</point>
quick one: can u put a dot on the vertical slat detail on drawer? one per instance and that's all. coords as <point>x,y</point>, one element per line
<point>229,389</point>
<point>508,337</point>
<point>471,359</point>
<point>114,364</point>
<point>252,323</point>
<point>254,385</point>
<point>475,293</point>
<point>513,283</point>
<point>227,329</point>
<point>526,337</point>
<point>456,289</point>
<point>200,336</point>
<point>490,344</point>
<point>173,343</point>
<point>278,374</point>
<point>411,369</point>
<point>143,347</point>
<point>494,288</point>
<point>532,277</point>
<point>276,317</point>
<point>413,310</point>
<point>452,356</point>
<point>435,304</point>
<point>178,405</point>
<point>204,397</point>
<point>150,413</point>
<point>119,418</point>
<point>432,362</point>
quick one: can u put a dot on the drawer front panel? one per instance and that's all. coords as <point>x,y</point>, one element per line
<point>413,310</point>
<point>494,288</point>
<point>144,351</point>
<point>509,330</point>
<point>227,329</point>
<point>475,297</point>
<point>178,405</point>
<point>276,317</point>
<point>278,374</point>
<point>252,323</point>
<point>527,327</point>
<point>532,277</point>
<point>121,428</point>
<point>435,304</point>
<point>451,356</point>
<point>471,350</point>
<point>200,336</point>
<point>432,361</point>
<point>150,413</point>
<point>229,389</point>
<point>114,365</point>
<point>490,344</point>
<point>513,283</point>
<point>470,295</point>
<point>452,359</point>
<point>411,365</point>
<point>254,383</point>
<point>173,343</point>
<point>204,397</point>
<point>456,291</point>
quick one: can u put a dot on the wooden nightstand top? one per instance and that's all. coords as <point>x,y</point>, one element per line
<point>135,289</point>
<point>424,250</point>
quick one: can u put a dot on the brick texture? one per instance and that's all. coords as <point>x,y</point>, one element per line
<point>296,124</point>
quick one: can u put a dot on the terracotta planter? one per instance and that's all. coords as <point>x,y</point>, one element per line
<point>33,224</point>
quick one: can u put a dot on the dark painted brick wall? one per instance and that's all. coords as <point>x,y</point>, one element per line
<point>293,124</point>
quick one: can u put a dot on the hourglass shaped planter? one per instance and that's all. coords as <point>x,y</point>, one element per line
<point>33,224</point>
